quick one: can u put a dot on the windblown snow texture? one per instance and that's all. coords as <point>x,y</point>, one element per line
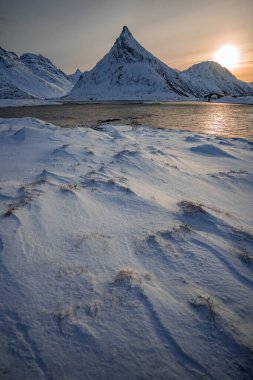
<point>125,253</point>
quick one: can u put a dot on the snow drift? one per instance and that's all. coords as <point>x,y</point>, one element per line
<point>123,255</point>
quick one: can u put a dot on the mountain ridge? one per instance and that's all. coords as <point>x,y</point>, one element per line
<point>126,72</point>
<point>130,72</point>
<point>31,75</point>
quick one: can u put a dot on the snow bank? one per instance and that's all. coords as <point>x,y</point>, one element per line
<point>125,253</point>
<point>211,150</point>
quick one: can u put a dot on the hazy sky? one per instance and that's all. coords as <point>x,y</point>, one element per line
<point>78,33</point>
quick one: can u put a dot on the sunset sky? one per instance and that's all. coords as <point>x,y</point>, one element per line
<point>78,33</point>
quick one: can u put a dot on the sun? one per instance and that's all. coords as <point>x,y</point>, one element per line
<point>227,56</point>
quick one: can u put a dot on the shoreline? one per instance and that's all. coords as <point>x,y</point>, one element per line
<point>6,103</point>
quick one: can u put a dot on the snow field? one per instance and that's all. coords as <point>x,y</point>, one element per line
<point>124,253</point>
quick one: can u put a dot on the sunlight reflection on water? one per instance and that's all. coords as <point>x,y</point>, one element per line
<point>229,120</point>
<point>215,124</point>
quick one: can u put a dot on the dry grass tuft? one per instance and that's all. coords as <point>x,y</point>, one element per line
<point>127,276</point>
<point>25,198</point>
<point>184,228</point>
<point>63,315</point>
<point>69,187</point>
<point>245,256</point>
<point>206,302</point>
<point>122,179</point>
<point>71,271</point>
<point>93,309</point>
<point>178,229</point>
<point>130,278</point>
<point>111,181</point>
<point>190,207</point>
<point>10,211</point>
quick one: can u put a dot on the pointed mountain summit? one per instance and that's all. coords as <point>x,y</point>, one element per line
<point>206,77</point>
<point>130,72</point>
<point>74,77</point>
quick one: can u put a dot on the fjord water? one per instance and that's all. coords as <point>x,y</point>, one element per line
<point>227,120</point>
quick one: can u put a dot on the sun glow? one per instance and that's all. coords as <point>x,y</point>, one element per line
<point>227,56</point>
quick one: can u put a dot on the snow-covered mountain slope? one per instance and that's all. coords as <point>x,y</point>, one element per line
<point>31,75</point>
<point>206,77</point>
<point>75,76</point>
<point>46,70</point>
<point>8,90</point>
<point>129,72</point>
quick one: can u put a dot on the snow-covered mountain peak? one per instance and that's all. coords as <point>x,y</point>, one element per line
<point>125,32</point>
<point>128,71</point>
<point>38,61</point>
<point>30,75</point>
<point>6,53</point>
<point>209,68</point>
<point>210,76</point>
<point>30,58</point>
<point>127,48</point>
<point>74,77</point>
<point>8,58</point>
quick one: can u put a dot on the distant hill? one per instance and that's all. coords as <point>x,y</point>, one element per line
<point>206,77</point>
